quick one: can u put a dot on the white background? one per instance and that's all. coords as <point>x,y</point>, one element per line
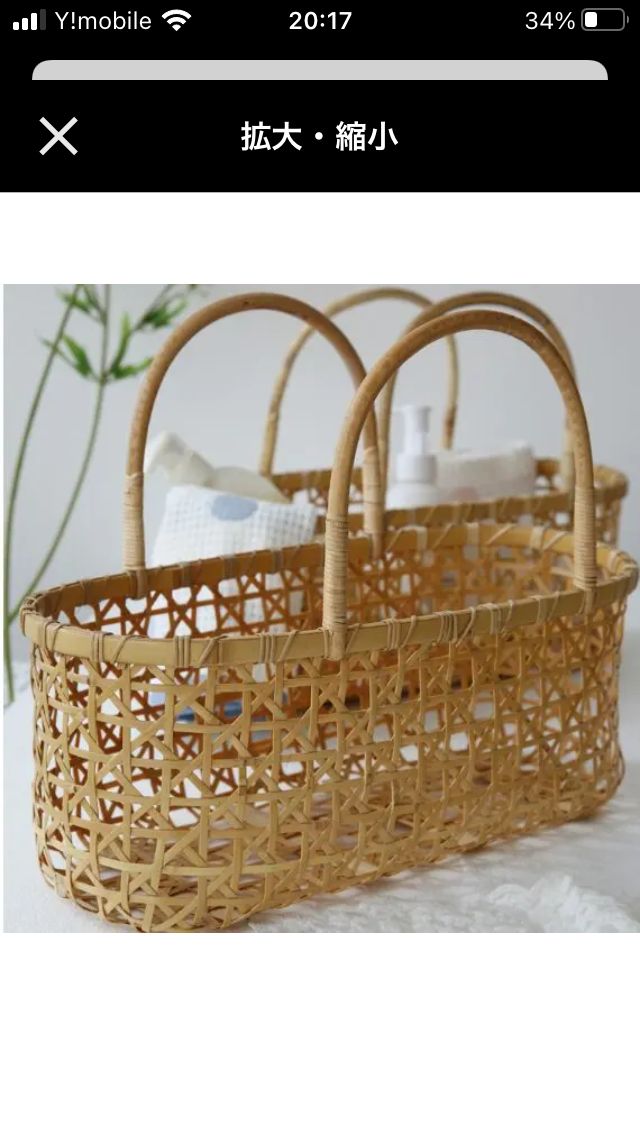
<point>216,396</point>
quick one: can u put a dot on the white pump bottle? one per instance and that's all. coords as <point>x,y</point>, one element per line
<point>415,484</point>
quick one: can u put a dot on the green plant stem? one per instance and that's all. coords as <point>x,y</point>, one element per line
<point>93,432</point>
<point>15,483</point>
<point>75,493</point>
<point>86,461</point>
<point>10,615</point>
<point>139,324</point>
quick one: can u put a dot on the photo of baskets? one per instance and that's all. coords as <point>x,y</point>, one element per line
<point>550,503</point>
<point>301,689</point>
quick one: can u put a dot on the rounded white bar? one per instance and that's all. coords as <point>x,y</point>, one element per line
<point>262,70</point>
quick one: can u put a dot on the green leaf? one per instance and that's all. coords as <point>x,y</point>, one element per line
<point>57,351</point>
<point>79,358</point>
<point>93,299</point>
<point>177,309</point>
<point>125,336</point>
<point>164,315</point>
<point>130,369</point>
<point>157,317</point>
<point>76,302</point>
<point>125,328</point>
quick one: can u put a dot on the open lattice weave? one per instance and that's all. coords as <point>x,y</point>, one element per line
<point>236,774</point>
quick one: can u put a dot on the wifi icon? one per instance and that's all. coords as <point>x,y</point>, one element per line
<point>176,17</point>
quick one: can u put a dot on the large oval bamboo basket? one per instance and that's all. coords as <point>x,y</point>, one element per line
<point>552,501</point>
<point>437,689</point>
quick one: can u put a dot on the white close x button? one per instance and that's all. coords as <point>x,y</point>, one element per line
<point>58,135</point>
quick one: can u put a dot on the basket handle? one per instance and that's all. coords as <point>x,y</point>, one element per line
<point>336,549</point>
<point>353,300</point>
<point>133,514</point>
<point>454,303</point>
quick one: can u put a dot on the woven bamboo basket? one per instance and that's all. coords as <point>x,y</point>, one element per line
<point>552,502</point>
<point>435,690</point>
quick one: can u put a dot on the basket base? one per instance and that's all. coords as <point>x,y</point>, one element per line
<point>580,803</point>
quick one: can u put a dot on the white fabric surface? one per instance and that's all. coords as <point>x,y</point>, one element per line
<point>199,523</point>
<point>580,877</point>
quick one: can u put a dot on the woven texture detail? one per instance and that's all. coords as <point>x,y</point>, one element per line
<point>179,797</point>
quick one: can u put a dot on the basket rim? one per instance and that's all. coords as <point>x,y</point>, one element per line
<point>610,485</point>
<point>184,651</point>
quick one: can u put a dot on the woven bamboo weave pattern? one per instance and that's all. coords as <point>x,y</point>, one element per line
<point>367,703</point>
<point>175,796</point>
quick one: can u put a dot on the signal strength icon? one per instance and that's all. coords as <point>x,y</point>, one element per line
<point>35,22</point>
<point>176,18</point>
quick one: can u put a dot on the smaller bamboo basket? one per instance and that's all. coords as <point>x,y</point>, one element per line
<point>401,696</point>
<point>552,501</point>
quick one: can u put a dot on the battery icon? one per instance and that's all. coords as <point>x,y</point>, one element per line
<point>604,19</point>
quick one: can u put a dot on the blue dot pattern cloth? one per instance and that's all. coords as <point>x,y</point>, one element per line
<point>199,523</point>
<point>226,507</point>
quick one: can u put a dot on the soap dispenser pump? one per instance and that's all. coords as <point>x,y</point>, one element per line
<point>415,484</point>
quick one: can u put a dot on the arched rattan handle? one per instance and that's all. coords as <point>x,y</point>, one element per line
<point>455,303</point>
<point>336,559</point>
<point>133,518</point>
<point>353,300</point>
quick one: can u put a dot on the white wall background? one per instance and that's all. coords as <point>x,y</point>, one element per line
<point>217,392</point>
